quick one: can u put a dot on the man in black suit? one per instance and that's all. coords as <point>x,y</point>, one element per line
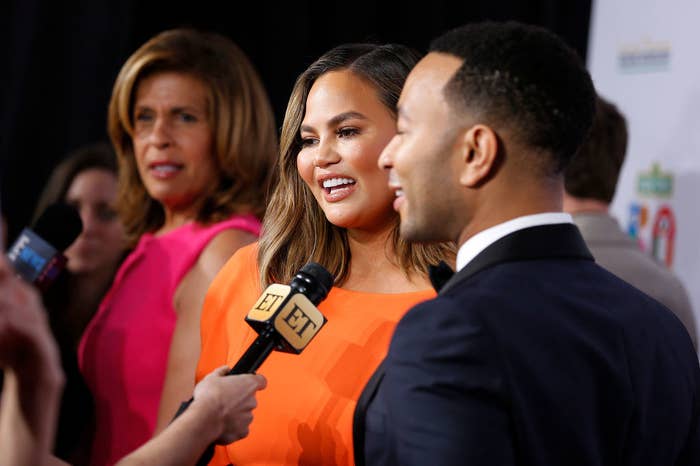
<point>531,354</point>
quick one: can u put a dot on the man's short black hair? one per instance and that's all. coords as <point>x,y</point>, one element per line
<point>593,172</point>
<point>524,78</point>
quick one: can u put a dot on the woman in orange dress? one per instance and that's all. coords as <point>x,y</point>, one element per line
<point>332,205</point>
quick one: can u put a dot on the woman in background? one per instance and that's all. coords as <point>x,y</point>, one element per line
<point>195,139</point>
<point>332,205</point>
<point>87,180</point>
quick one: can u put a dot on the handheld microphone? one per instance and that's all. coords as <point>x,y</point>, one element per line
<point>285,316</point>
<point>37,254</point>
<point>286,319</point>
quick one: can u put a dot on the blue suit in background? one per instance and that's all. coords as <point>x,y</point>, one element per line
<point>534,355</point>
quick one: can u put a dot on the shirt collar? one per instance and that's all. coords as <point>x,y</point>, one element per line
<point>480,241</point>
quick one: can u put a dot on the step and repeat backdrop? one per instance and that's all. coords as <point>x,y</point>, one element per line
<point>643,57</point>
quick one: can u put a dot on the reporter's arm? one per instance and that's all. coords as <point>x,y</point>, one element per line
<point>32,370</point>
<point>220,413</point>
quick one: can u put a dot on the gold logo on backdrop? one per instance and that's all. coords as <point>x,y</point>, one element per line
<point>299,321</point>
<point>269,301</point>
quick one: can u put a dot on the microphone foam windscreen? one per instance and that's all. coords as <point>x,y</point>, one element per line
<point>59,225</point>
<point>324,277</point>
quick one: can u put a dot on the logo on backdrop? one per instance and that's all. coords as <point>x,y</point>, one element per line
<point>655,233</point>
<point>655,183</point>
<point>644,56</point>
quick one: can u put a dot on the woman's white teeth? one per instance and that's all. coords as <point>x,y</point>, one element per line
<point>334,182</point>
<point>166,168</point>
<point>398,192</point>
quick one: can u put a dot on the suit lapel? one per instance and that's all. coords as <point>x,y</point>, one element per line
<point>559,241</point>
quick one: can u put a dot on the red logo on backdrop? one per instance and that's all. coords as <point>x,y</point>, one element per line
<point>664,235</point>
<point>661,231</point>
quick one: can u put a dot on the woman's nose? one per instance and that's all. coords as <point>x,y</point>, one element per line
<point>160,133</point>
<point>89,220</point>
<point>326,155</point>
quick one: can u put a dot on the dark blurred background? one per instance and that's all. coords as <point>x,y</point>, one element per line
<point>61,59</point>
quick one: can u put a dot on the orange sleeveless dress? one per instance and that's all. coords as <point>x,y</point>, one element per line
<point>304,416</point>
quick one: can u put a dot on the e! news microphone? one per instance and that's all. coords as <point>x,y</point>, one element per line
<point>37,254</point>
<point>286,319</point>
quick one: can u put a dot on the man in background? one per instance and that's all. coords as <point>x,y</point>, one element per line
<point>590,181</point>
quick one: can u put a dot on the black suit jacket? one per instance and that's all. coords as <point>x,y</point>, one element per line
<point>534,355</point>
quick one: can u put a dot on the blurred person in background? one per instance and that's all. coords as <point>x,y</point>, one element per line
<point>195,140</point>
<point>590,183</point>
<point>87,180</point>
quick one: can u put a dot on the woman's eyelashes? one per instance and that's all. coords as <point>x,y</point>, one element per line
<point>143,116</point>
<point>307,141</point>
<point>187,117</point>
<point>345,132</point>
<point>106,213</point>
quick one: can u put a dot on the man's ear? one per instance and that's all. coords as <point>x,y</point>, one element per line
<point>479,152</point>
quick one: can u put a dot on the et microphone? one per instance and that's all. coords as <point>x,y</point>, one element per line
<point>37,254</point>
<point>286,319</point>
<point>285,316</point>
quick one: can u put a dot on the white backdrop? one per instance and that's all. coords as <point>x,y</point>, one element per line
<point>643,56</point>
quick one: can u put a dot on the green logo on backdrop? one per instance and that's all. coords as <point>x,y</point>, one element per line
<point>655,183</point>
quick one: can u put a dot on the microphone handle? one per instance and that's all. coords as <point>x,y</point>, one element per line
<point>247,364</point>
<point>256,353</point>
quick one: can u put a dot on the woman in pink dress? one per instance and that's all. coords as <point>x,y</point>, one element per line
<point>195,138</point>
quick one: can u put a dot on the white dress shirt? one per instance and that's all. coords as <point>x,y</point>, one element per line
<point>480,241</point>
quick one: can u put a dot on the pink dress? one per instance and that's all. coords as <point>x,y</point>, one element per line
<point>124,350</point>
